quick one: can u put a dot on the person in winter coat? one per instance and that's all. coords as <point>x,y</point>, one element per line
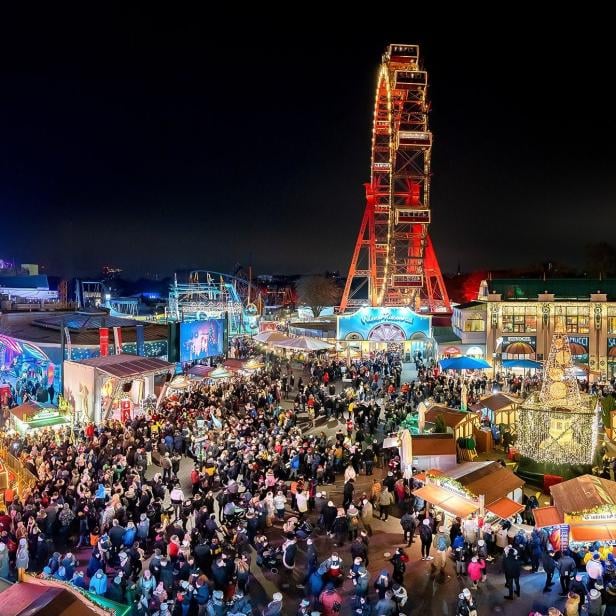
<point>466,604</point>
<point>316,582</point>
<point>579,588</point>
<point>367,513</point>
<point>476,569</point>
<point>22,559</point>
<point>4,561</point>
<point>572,604</point>
<point>442,544</point>
<point>386,606</point>
<point>511,569</point>
<point>274,607</point>
<point>425,534</point>
<point>382,584</point>
<point>98,584</point>
<point>549,566</point>
<point>407,521</point>
<point>331,601</point>
<point>594,602</point>
<point>146,584</point>
<point>566,569</point>
<point>386,500</point>
<point>216,605</point>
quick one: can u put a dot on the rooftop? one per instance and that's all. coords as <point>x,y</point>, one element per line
<point>562,288</point>
<point>126,366</point>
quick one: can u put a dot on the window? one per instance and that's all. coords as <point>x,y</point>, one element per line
<point>475,323</point>
<point>519,319</point>
<point>573,319</point>
<point>611,320</point>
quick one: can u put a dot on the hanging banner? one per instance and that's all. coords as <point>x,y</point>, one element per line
<point>140,340</point>
<point>69,346</point>
<point>104,341</point>
<point>564,536</point>
<point>125,410</point>
<point>117,340</point>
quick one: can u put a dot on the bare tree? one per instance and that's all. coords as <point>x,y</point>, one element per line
<point>317,292</point>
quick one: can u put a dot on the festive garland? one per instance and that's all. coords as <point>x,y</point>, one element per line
<point>76,589</point>
<point>448,482</point>
<point>604,508</point>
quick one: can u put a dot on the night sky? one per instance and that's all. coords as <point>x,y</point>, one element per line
<point>197,143</point>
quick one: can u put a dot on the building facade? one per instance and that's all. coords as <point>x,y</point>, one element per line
<point>522,315</point>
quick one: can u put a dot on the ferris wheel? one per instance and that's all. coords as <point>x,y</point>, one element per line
<point>393,254</point>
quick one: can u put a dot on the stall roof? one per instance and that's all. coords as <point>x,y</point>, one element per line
<point>496,402</point>
<point>443,498</point>
<point>593,532</point>
<point>582,493</point>
<point>495,485</point>
<point>434,445</point>
<point>451,417</point>
<point>504,507</point>
<point>30,408</point>
<point>547,516</point>
<point>125,366</point>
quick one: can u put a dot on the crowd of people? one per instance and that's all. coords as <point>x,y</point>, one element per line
<point>259,480</point>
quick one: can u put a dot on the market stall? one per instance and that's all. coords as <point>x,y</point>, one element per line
<point>108,387</point>
<point>463,426</point>
<point>499,408</point>
<point>484,489</point>
<point>583,509</point>
<point>32,415</point>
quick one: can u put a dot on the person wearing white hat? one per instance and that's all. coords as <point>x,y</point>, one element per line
<point>274,607</point>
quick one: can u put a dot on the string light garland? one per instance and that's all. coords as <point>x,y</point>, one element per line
<point>559,425</point>
<point>452,484</point>
<point>605,508</point>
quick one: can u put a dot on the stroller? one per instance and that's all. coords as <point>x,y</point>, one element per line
<point>269,557</point>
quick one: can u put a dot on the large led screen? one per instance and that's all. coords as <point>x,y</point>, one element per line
<point>201,339</point>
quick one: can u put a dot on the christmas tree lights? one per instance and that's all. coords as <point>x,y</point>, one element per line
<point>558,425</point>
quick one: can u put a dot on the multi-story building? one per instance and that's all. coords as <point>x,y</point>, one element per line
<point>522,315</point>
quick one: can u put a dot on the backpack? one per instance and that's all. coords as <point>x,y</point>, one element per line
<point>441,544</point>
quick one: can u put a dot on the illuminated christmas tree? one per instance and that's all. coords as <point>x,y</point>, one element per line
<point>558,425</point>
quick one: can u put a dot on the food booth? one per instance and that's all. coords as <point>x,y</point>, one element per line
<point>583,509</point>
<point>32,415</point>
<point>484,489</point>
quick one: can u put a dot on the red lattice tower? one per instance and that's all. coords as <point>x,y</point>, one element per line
<point>393,254</point>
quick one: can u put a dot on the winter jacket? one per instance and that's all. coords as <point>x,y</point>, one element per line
<point>98,584</point>
<point>475,570</point>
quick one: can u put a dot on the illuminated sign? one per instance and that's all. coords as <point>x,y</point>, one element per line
<point>384,324</point>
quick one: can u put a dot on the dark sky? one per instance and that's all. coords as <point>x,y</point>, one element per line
<point>176,143</point>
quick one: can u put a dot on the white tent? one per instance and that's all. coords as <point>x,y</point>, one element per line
<point>270,337</point>
<point>303,343</point>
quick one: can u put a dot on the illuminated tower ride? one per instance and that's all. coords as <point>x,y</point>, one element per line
<point>393,254</point>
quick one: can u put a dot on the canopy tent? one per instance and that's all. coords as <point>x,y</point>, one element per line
<point>448,501</point>
<point>271,337</point>
<point>521,363</point>
<point>220,373</point>
<point>504,508</point>
<point>180,382</point>
<point>303,343</point>
<point>253,364</point>
<point>464,363</point>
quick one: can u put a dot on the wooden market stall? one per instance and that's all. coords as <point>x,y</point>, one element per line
<point>500,408</point>
<point>482,488</point>
<point>462,424</point>
<point>584,507</point>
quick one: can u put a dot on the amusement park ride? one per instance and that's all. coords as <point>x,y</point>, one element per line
<point>393,255</point>
<point>211,295</point>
